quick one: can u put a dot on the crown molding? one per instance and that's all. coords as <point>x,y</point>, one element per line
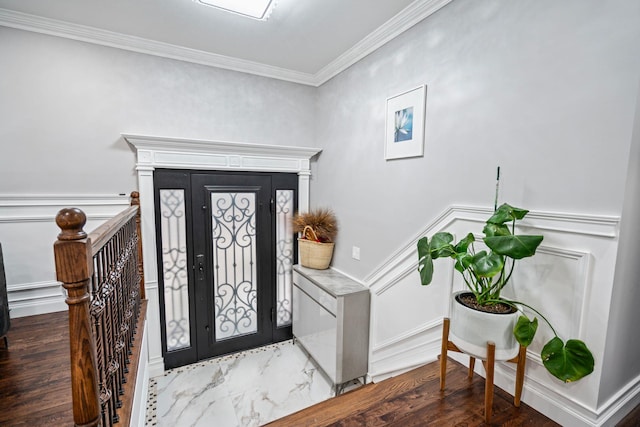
<point>53,27</point>
<point>407,18</point>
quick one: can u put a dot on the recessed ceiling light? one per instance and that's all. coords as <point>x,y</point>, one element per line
<point>256,9</point>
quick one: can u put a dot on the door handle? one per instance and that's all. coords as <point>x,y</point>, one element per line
<point>200,264</point>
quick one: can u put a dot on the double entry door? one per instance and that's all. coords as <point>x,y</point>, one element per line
<point>225,248</point>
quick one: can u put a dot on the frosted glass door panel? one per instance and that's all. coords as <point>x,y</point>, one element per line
<point>284,255</point>
<point>174,267</point>
<point>234,261</point>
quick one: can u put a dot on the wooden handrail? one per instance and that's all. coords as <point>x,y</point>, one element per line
<point>105,309</point>
<point>101,235</point>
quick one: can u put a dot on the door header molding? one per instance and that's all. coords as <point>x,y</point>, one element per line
<point>181,153</point>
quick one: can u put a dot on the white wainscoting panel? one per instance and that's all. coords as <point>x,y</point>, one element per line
<point>569,280</point>
<point>27,233</point>
<point>560,278</point>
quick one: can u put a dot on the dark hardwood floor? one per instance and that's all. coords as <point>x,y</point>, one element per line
<point>35,391</point>
<point>414,399</point>
<point>35,378</point>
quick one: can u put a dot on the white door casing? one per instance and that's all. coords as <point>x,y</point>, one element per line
<point>178,153</point>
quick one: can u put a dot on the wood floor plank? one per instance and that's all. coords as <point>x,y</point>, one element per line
<point>35,379</point>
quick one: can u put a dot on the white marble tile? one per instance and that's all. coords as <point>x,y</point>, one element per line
<point>185,397</point>
<point>288,382</point>
<point>244,389</point>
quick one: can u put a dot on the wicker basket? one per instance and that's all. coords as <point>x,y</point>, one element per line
<point>314,254</point>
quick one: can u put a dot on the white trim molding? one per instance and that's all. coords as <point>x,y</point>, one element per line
<point>407,18</point>
<point>30,299</point>
<point>180,153</point>
<point>590,225</point>
<point>28,230</point>
<point>177,153</point>
<point>18,208</point>
<point>83,33</point>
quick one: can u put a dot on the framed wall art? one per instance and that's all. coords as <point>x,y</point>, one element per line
<point>404,133</point>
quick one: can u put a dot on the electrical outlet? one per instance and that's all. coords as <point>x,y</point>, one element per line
<point>355,253</point>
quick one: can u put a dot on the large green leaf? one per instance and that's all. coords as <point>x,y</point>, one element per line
<point>506,213</point>
<point>463,244</point>
<point>568,362</point>
<point>425,262</point>
<point>423,247</point>
<point>491,230</point>
<point>441,246</point>
<point>463,261</point>
<point>516,247</point>
<point>525,330</point>
<point>487,265</point>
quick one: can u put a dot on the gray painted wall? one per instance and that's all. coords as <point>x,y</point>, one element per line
<point>623,346</point>
<point>63,105</point>
<point>545,89</point>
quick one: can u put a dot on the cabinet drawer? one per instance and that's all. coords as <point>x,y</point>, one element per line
<point>316,293</point>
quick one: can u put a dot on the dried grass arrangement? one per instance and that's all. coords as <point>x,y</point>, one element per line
<point>318,230</point>
<point>323,224</point>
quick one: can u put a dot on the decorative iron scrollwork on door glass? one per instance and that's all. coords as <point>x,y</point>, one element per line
<point>284,255</point>
<point>174,267</point>
<point>233,218</point>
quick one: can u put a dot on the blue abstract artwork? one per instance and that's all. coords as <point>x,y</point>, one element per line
<point>404,125</point>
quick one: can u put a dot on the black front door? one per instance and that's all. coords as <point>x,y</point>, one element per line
<point>226,250</point>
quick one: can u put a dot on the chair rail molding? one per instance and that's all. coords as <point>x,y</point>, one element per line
<point>17,208</point>
<point>28,230</point>
<point>574,265</point>
<point>30,299</point>
<point>181,153</point>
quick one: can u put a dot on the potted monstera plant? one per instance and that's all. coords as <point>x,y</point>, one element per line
<point>486,273</point>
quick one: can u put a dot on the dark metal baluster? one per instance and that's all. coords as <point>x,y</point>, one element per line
<point>104,338</point>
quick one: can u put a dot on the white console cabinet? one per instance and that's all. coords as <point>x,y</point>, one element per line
<point>331,322</point>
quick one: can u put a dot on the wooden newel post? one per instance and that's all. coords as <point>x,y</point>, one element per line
<point>74,266</point>
<point>135,201</point>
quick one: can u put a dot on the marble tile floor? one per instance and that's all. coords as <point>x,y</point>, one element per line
<point>250,388</point>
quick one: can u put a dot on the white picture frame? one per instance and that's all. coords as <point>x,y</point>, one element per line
<point>404,128</point>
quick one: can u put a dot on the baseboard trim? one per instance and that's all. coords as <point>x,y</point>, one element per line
<point>619,405</point>
<point>38,306</point>
<point>427,327</point>
<point>156,367</point>
<point>404,355</point>
<point>30,299</point>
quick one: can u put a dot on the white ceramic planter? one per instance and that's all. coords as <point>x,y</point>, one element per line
<point>471,329</point>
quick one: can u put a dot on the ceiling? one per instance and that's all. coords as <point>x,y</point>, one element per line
<point>306,41</point>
